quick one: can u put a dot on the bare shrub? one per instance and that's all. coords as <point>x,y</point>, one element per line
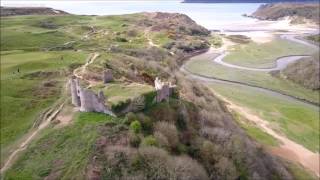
<point>169,131</point>
<point>132,33</point>
<point>156,160</point>
<point>186,168</point>
<point>160,165</point>
<point>305,72</point>
<point>226,169</point>
<point>219,135</point>
<point>161,139</point>
<point>209,119</point>
<point>134,139</point>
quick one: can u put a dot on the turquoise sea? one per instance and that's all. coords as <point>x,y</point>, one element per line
<point>209,15</point>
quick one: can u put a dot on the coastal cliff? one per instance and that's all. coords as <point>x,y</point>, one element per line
<point>297,12</point>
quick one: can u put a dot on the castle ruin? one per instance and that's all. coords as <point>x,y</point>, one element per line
<point>107,76</point>
<point>164,90</point>
<point>88,100</point>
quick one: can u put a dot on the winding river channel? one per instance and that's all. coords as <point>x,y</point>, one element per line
<point>288,149</point>
<point>281,63</point>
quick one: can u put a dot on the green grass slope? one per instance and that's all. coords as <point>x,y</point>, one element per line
<point>264,55</point>
<point>203,65</point>
<point>27,93</point>
<point>61,153</point>
<point>299,122</point>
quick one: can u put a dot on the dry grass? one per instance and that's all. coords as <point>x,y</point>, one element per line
<point>305,72</point>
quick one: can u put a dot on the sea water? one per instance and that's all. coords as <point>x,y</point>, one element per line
<point>213,16</point>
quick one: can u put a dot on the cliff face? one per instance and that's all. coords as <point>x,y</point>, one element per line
<point>296,11</point>
<point>16,11</point>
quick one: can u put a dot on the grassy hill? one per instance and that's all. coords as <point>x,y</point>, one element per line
<point>298,12</point>
<point>16,11</point>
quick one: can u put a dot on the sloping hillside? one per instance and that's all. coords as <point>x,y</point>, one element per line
<point>190,136</point>
<point>304,72</point>
<point>298,12</point>
<point>15,11</point>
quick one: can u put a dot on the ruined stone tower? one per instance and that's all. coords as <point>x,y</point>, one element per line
<point>88,100</point>
<point>107,76</point>
<point>164,90</point>
<point>74,84</point>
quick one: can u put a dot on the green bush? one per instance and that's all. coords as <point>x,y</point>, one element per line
<point>135,126</point>
<point>146,124</point>
<point>149,98</point>
<point>121,39</point>
<point>130,117</point>
<point>117,108</point>
<point>216,41</point>
<point>149,141</point>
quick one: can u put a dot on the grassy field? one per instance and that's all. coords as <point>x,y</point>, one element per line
<point>29,33</point>
<point>297,121</point>
<point>203,65</point>
<point>25,94</point>
<point>32,77</point>
<point>62,153</point>
<point>263,55</point>
<point>118,92</point>
<point>255,132</point>
<point>299,172</point>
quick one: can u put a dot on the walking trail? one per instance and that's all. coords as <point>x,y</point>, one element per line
<point>150,42</point>
<point>50,115</point>
<point>30,137</point>
<point>81,70</point>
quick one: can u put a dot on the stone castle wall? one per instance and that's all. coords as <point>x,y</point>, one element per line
<point>88,100</point>
<point>164,90</point>
<point>74,84</point>
<point>107,76</point>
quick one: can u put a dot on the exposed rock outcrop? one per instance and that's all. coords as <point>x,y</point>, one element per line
<point>88,100</point>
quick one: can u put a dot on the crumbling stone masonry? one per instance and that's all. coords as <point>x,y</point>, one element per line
<point>107,76</point>
<point>164,90</point>
<point>87,100</point>
<point>74,84</point>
